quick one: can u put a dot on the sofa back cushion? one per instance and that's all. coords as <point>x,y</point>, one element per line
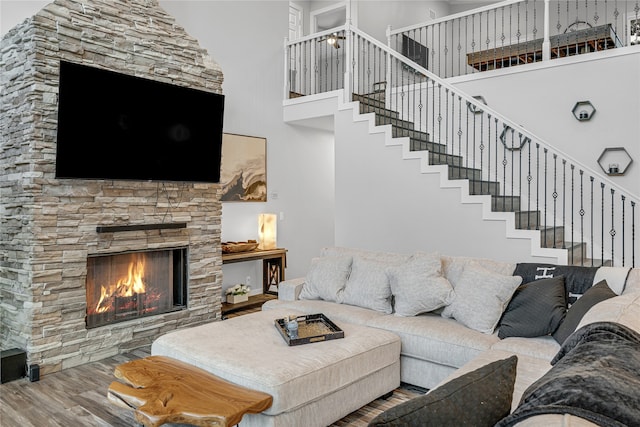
<point>368,285</point>
<point>480,297</point>
<point>384,257</point>
<point>327,278</point>
<point>577,278</point>
<point>418,285</point>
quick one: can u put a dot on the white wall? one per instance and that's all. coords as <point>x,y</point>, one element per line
<point>246,38</point>
<point>13,12</point>
<point>541,98</point>
<point>375,16</point>
<point>390,205</point>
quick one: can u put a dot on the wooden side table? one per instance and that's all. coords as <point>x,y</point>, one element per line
<point>164,390</point>
<point>274,261</point>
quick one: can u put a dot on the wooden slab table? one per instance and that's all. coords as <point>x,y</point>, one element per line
<point>164,390</point>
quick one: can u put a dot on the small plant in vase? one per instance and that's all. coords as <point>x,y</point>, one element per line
<point>237,293</point>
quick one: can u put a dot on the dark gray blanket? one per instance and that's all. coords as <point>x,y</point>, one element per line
<point>595,376</point>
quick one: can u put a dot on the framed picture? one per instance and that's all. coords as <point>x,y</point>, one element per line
<point>243,170</point>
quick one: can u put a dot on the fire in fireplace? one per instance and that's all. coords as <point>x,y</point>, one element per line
<point>127,286</point>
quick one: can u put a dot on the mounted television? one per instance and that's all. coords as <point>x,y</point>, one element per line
<point>118,127</point>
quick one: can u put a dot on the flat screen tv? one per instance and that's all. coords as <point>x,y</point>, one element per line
<point>114,126</point>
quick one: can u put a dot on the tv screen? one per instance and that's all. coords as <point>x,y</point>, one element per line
<point>119,127</point>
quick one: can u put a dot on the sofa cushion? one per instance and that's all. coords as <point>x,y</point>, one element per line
<point>453,266</point>
<point>544,348</point>
<point>623,309</point>
<point>327,278</point>
<point>480,297</point>
<point>591,297</point>
<point>480,398</point>
<point>433,338</point>
<point>536,309</point>
<point>577,279</point>
<point>418,285</point>
<point>368,285</point>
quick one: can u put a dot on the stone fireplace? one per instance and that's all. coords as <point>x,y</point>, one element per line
<point>59,236</point>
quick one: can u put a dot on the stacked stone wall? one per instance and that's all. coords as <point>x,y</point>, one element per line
<point>48,225</point>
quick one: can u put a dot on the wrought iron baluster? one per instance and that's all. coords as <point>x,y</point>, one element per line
<point>602,223</point>
<point>520,174</point>
<point>592,214</point>
<point>538,182</point>
<point>623,198</point>
<point>555,196</point>
<point>612,232</point>
<point>633,233</point>
<point>535,27</point>
<point>582,214</point>
<point>481,147</point>
<point>564,203</point>
<point>496,150</point>
<point>459,163</point>
<point>545,151</point>
<point>449,150</point>
<point>529,178</point>
<point>495,38</point>
<point>573,170</point>
<point>446,123</point>
<point>489,148</point>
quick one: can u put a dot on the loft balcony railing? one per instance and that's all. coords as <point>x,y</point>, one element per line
<point>572,206</point>
<point>518,32</point>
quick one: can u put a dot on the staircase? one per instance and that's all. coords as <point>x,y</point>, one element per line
<point>550,236</point>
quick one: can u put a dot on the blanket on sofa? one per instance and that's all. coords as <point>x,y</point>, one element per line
<point>595,376</point>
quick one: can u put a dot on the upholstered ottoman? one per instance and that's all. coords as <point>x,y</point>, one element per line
<point>311,384</point>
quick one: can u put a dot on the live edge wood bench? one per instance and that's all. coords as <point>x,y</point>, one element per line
<point>164,390</point>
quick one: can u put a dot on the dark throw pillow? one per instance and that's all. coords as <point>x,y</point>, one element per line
<point>597,293</point>
<point>536,309</point>
<point>577,279</point>
<point>478,398</point>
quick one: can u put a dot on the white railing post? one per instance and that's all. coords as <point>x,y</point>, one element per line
<point>348,80</point>
<point>546,43</point>
<point>387,78</point>
<point>348,83</point>
<point>287,70</point>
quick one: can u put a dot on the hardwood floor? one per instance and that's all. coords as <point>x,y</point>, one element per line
<point>73,397</point>
<point>78,397</point>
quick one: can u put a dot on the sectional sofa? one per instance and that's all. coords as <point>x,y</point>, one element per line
<point>455,315</point>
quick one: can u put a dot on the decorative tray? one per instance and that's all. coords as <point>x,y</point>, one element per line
<point>233,247</point>
<point>311,328</point>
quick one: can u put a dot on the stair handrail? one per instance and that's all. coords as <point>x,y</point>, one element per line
<point>470,99</point>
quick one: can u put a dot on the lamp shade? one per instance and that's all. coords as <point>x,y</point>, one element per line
<point>267,231</point>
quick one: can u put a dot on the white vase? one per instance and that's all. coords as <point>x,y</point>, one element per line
<point>234,299</point>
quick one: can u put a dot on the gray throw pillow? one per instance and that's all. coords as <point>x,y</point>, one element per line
<point>481,297</point>
<point>536,309</point>
<point>478,398</point>
<point>326,278</point>
<point>595,294</point>
<point>418,285</point>
<point>368,285</point>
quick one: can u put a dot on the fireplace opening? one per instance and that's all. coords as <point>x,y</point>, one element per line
<point>131,285</point>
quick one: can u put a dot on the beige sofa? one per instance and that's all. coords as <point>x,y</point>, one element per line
<point>437,348</point>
